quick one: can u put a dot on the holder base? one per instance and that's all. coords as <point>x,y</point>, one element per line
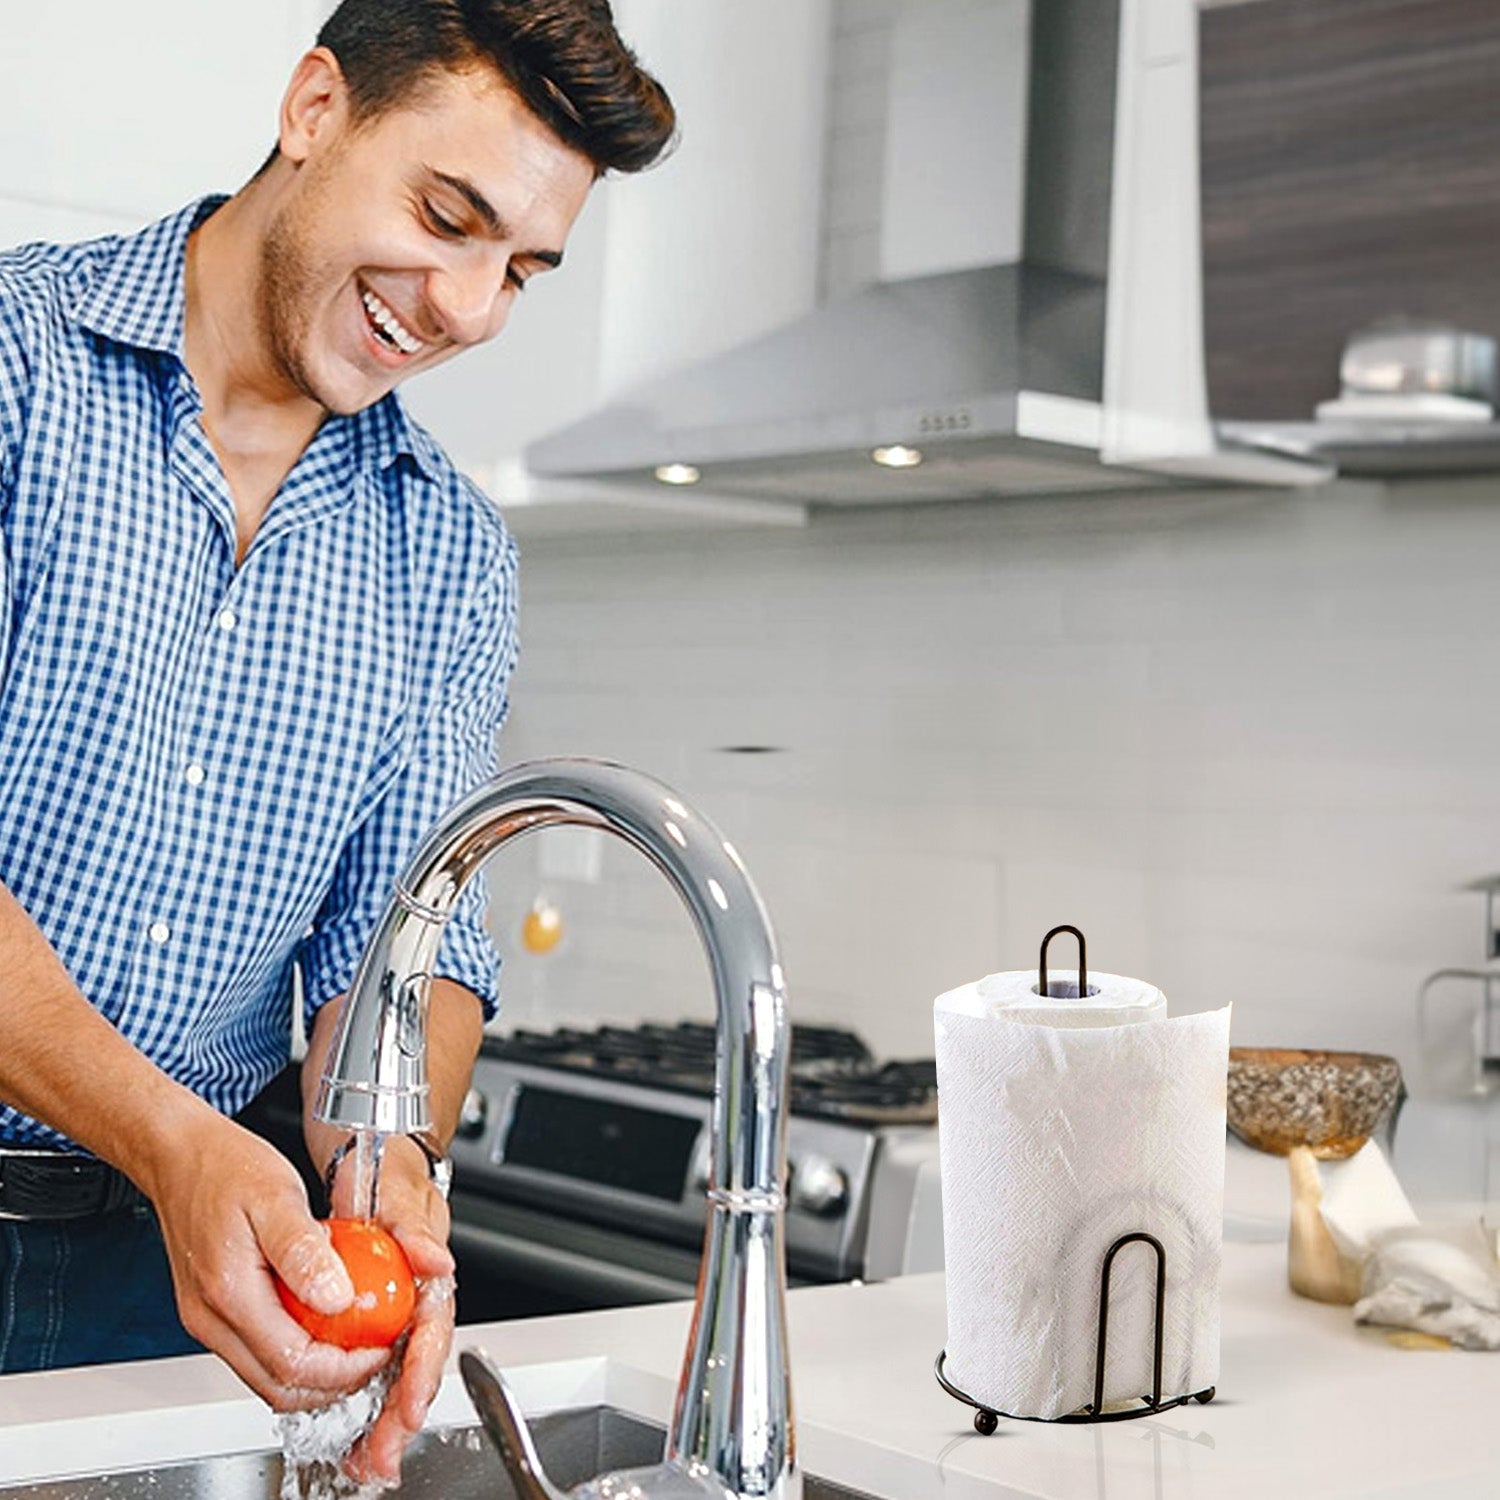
<point>987,1418</point>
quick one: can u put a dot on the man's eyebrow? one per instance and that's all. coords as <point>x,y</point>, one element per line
<point>491,220</point>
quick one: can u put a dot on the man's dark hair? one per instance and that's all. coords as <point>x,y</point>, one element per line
<point>563,57</point>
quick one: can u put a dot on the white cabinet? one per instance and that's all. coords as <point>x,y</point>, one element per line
<point>121,113</point>
<point>24,218</point>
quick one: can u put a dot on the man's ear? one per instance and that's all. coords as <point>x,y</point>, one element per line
<point>315,106</point>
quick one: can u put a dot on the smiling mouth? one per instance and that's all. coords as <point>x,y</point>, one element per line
<point>388,329</point>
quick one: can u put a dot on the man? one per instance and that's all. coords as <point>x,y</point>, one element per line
<point>255,633</point>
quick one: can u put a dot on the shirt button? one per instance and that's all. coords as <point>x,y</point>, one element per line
<point>195,775</point>
<point>158,932</point>
<point>227,619</point>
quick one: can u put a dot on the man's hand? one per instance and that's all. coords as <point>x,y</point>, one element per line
<point>410,1207</point>
<point>232,1211</point>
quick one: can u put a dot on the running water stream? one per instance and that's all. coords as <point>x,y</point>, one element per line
<point>314,1444</point>
<point>364,1172</point>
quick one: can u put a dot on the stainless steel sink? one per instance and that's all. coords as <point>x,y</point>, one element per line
<point>456,1463</point>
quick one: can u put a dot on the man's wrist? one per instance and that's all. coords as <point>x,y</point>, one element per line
<point>439,1163</point>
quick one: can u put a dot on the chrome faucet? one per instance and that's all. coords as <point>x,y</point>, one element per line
<point>731,1427</point>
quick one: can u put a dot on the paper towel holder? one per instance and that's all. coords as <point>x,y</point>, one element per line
<point>1043,988</point>
<point>987,1418</point>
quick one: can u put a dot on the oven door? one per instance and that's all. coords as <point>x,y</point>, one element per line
<point>520,1262</point>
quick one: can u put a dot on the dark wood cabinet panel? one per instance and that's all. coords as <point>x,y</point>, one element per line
<point>1351,174</point>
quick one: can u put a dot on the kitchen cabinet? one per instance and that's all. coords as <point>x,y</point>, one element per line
<point>28,218</point>
<point>129,111</point>
<point>1351,173</point>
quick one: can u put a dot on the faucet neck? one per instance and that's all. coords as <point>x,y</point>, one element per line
<point>733,1410</point>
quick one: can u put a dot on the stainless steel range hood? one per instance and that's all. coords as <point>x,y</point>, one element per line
<point>995,374</point>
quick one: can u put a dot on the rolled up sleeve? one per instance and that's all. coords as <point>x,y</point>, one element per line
<point>454,752</point>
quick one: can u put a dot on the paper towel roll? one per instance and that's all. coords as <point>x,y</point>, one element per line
<point>1113,1001</point>
<point>1064,1124</point>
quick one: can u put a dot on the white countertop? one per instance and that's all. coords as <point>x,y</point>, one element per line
<point>1309,1405</point>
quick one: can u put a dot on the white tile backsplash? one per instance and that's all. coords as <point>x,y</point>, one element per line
<point>1246,741</point>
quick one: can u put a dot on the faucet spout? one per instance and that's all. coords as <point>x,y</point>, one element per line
<point>732,1422</point>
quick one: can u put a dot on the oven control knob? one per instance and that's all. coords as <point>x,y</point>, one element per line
<point>472,1114</point>
<point>818,1187</point>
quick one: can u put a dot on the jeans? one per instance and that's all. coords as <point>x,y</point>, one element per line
<point>87,1291</point>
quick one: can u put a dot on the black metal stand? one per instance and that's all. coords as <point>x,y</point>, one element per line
<point>986,1418</point>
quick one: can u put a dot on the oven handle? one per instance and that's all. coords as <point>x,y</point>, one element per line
<point>553,1266</point>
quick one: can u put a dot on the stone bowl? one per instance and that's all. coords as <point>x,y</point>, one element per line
<point>1330,1102</point>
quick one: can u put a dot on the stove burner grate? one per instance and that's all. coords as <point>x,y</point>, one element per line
<point>833,1073</point>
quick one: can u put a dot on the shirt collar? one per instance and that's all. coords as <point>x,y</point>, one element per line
<point>138,296</point>
<point>139,299</point>
<point>386,432</point>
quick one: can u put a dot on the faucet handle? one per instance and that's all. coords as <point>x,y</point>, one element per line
<point>503,1421</point>
<point>501,1414</point>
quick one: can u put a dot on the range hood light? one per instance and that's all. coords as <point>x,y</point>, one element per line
<point>677,474</point>
<point>897,457</point>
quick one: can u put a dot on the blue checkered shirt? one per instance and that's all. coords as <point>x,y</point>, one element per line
<point>211,774</point>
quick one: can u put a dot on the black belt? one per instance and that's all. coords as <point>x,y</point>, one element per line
<point>39,1184</point>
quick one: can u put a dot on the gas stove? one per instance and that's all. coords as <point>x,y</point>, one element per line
<point>595,1145</point>
<point>833,1075</point>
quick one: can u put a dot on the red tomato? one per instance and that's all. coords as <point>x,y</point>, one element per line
<point>385,1295</point>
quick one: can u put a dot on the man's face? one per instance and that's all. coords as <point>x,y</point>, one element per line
<point>408,237</point>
